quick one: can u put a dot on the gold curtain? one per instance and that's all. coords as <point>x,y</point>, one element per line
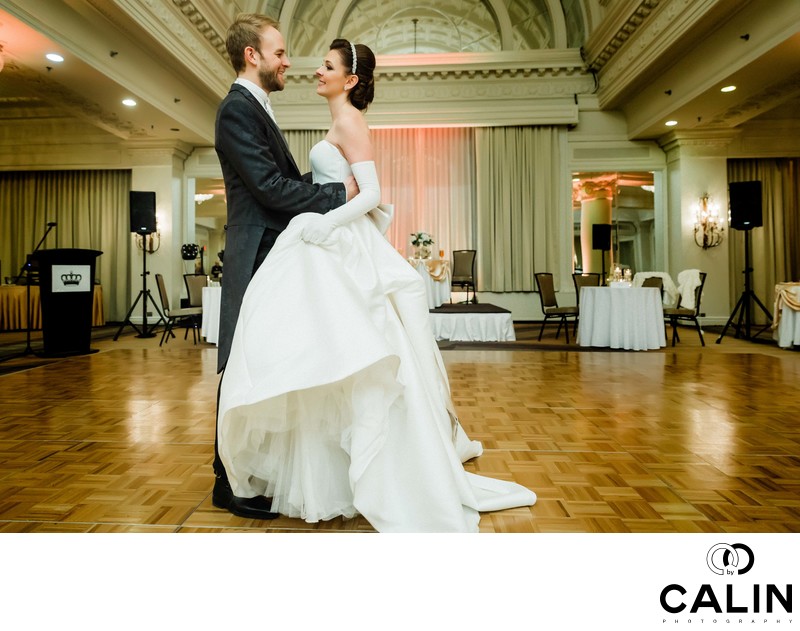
<point>518,174</point>
<point>91,211</point>
<point>775,247</point>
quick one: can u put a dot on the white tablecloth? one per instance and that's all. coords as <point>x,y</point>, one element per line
<point>621,317</point>
<point>211,302</point>
<point>436,289</point>
<point>787,333</point>
<point>473,327</point>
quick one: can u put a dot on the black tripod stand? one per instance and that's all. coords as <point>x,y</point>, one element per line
<point>26,270</point>
<point>744,307</point>
<point>144,296</point>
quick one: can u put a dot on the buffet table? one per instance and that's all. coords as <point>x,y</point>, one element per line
<point>787,315</point>
<point>14,315</point>
<point>436,274</point>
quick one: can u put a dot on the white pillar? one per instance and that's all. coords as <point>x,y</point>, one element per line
<point>697,166</point>
<point>160,171</point>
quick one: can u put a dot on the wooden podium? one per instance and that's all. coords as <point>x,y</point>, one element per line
<point>66,285</point>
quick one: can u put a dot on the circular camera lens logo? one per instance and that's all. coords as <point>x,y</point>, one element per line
<point>725,558</point>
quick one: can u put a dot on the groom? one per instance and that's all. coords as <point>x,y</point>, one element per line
<point>264,191</point>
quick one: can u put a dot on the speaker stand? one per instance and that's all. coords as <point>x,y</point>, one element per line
<point>744,307</point>
<point>144,296</point>
<point>603,267</point>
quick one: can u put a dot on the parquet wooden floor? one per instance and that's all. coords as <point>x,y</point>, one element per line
<point>685,439</point>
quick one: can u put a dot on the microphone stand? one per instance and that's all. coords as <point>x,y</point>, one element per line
<point>26,269</point>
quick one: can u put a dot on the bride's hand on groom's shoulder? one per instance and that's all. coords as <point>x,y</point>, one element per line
<point>317,230</point>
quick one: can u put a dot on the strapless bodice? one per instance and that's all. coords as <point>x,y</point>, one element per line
<point>327,163</point>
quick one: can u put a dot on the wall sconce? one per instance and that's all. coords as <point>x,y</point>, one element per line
<point>199,198</point>
<point>708,226</point>
<point>150,241</point>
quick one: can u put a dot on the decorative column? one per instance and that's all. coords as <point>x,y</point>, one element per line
<point>596,198</point>
<point>697,171</point>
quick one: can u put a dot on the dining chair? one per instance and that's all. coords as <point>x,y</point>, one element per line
<point>673,315</point>
<point>186,315</point>
<point>550,308</point>
<point>194,288</point>
<point>655,281</point>
<point>587,279</point>
<point>463,275</point>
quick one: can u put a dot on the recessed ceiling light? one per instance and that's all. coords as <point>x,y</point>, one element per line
<point>129,102</point>
<point>54,57</point>
<point>671,123</point>
<point>728,88</point>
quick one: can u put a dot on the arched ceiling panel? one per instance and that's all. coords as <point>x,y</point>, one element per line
<point>575,23</point>
<point>389,27</point>
<point>308,28</point>
<point>532,24</point>
<point>442,25</point>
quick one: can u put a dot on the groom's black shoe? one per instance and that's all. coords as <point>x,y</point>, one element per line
<point>248,507</point>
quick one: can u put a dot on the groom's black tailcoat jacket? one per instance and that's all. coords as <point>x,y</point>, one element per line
<point>264,190</point>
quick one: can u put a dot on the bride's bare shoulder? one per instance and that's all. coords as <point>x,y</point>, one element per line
<point>352,136</point>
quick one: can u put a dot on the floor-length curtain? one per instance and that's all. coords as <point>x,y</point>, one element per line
<point>775,246</point>
<point>429,176</point>
<point>91,211</point>
<point>518,177</point>
<point>300,142</point>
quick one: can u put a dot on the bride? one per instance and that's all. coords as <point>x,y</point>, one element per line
<point>335,400</point>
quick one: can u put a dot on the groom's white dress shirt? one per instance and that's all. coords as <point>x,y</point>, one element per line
<point>261,96</point>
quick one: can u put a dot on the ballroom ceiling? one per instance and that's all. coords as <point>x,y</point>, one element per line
<point>169,57</point>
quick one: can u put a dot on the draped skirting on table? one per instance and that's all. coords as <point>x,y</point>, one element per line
<point>14,314</point>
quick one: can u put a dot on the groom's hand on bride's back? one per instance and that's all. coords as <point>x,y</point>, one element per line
<point>351,187</point>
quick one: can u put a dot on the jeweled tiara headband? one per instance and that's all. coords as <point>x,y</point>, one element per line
<point>353,50</point>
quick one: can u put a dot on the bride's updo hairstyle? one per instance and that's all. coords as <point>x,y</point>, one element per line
<point>361,95</point>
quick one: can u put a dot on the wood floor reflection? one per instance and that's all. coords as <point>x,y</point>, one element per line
<point>685,439</point>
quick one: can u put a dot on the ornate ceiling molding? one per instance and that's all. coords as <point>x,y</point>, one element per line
<point>189,38</point>
<point>616,29</point>
<point>434,91</point>
<point>758,103</point>
<point>643,43</point>
<point>700,142</point>
<point>198,18</point>
<point>49,91</point>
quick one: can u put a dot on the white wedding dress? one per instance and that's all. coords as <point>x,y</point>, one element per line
<point>335,400</point>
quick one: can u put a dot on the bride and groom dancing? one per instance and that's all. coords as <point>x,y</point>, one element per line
<point>334,399</point>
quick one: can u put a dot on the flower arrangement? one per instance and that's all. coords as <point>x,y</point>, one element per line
<point>421,239</point>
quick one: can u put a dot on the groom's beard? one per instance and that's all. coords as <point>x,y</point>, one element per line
<point>271,81</point>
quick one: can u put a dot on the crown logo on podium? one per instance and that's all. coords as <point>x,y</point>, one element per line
<point>71,279</point>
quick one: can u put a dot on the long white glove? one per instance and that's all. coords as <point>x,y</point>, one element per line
<point>318,229</point>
